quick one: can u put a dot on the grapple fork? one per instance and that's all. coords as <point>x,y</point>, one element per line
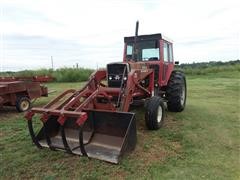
<point>96,134</point>
<point>75,126</point>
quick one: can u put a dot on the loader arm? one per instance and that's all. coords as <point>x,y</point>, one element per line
<point>133,85</point>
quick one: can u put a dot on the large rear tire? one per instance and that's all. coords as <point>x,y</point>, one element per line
<point>176,92</point>
<point>155,113</point>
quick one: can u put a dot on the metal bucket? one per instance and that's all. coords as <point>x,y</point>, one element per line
<point>105,135</point>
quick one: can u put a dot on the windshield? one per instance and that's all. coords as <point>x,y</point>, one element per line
<point>145,51</point>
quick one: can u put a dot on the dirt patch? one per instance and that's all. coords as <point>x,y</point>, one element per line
<point>151,147</point>
<point>171,123</point>
<point>177,146</point>
<point>118,174</point>
<point>149,153</point>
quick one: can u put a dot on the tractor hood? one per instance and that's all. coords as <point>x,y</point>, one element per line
<point>129,65</point>
<point>117,73</point>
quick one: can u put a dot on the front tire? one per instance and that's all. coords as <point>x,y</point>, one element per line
<point>23,104</point>
<point>176,92</point>
<point>155,113</point>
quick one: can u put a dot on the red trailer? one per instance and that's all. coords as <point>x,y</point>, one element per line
<point>19,93</point>
<point>41,79</point>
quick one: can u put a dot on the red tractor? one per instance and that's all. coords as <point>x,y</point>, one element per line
<point>95,121</point>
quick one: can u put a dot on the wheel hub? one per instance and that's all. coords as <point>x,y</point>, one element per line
<point>159,116</point>
<point>183,94</point>
<point>24,105</point>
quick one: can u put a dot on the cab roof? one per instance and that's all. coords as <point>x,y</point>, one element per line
<point>147,37</point>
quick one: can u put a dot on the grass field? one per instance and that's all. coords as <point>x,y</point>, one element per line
<point>203,142</point>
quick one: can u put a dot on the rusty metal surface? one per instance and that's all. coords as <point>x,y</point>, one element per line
<point>42,79</point>
<point>1,101</point>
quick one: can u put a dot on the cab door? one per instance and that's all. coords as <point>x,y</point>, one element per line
<point>167,62</point>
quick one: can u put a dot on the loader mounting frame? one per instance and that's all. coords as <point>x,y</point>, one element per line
<point>78,105</point>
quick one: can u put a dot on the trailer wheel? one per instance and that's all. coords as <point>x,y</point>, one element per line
<point>155,113</point>
<point>23,104</point>
<point>176,92</point>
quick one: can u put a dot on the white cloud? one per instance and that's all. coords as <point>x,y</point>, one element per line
<point>202,30</point>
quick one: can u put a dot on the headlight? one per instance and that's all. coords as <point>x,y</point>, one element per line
<point>110,78</point>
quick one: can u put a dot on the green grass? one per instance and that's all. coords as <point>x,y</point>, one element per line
<point>82,74</point>
<point>204,68</point>
<point>59,75</point>
<point>202,142</point>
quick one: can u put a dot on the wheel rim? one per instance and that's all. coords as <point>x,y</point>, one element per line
<point>159,116</point>
<point>183,95</point>
<point>24,105</point>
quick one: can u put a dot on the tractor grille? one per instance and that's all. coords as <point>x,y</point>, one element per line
<point>115,74</point>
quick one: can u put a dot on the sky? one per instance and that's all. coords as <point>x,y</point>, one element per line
<point>91,32</point>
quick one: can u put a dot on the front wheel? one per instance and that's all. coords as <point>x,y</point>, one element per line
<point>155,113</point>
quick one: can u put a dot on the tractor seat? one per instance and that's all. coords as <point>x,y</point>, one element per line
<point>153,59</point>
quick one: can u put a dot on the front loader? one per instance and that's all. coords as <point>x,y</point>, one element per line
<point>95,121</point>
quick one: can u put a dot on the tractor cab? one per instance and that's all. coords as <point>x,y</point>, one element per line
<point>154,50</point>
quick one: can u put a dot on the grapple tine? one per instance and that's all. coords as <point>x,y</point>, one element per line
<point>48,140</point>
<point>29,115</point>
<point>64,140</point>
<point>61,120</point>
<point>81,144</point>
<point>44,118</point>
<point>32,134</point>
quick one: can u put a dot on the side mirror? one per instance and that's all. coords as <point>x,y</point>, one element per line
<point>176,62</point>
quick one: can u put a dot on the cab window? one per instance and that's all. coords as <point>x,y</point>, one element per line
<point>165,52</point>
<point>129,51</point>
<point>145,51</point>
<point>170,53</point>
<point>150,54</point>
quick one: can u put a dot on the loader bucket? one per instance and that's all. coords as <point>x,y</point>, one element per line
<point>104,135</point>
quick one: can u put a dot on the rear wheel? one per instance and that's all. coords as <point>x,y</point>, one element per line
<point>23,104</point>
<point>176,92</point>
<point>155,113</point>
